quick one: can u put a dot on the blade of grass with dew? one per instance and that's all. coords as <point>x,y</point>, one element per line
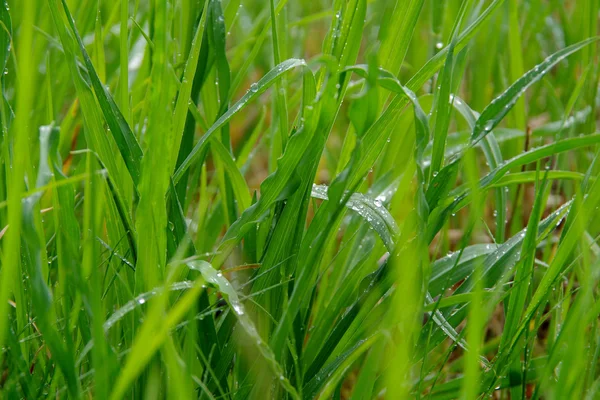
<point>261,86</point>
<point>280,96</point>
<point>153,332</point>
<point>94,132</point>
<point>128,145</point>
<point>369,209</point>
<point>496,264</point>
<point>185,90</point>
<point>216,278</point>
<point>443,108</point>
<point>499,107</point>
<point>459,196</point>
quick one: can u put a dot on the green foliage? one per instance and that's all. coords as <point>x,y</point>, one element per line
<point>353,199</point>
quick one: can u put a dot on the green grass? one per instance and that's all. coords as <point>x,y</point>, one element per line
<point>290,199</point>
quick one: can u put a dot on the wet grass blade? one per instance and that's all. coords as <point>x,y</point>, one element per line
<point>255,90</point>
<point>128,144</point>
<point>492,115</point>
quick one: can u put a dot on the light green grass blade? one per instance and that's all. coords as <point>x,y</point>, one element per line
<point>151,336</point>
<point>185,90</point>
<point>15,174</point>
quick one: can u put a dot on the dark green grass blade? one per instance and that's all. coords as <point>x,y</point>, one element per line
<point>128,145</point>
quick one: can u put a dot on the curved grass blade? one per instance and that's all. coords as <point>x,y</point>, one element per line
<point>501,105</point>
<point>256,89</point>
<point>284,181</point>
<point>376,136</point>
<point>213,277</point>
<point>494,268</point>
<point>460,197</point>
<point>371,210</point>
<point>128,307</point>
<point>323,384</point>
<point>441,268</point>
<point>151,336</point>
<point>537,154</point>
<point>529,177</point>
